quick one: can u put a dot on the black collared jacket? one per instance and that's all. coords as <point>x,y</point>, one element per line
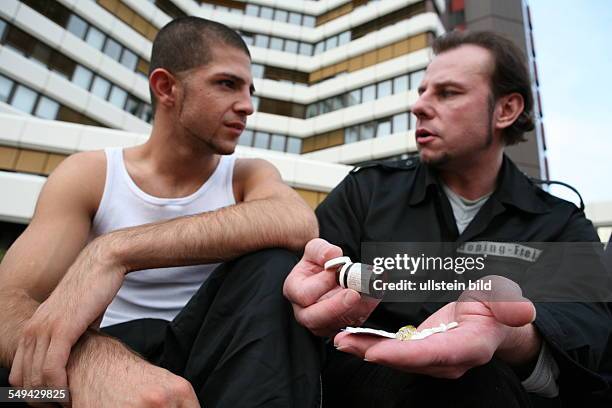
<point>404,202</point>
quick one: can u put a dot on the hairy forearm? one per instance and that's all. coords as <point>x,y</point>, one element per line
<point>17,307</point>
<point>213,236</point>
<point>95,353</point>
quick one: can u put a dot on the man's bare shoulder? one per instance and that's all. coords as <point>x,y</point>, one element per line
<point>245,166</point>
<point>81,177</point>
<point>252,174</point>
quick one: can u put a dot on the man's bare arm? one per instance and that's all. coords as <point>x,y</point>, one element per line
<point>36,262</point>
<point>101,371</point>
<point>270,214</point>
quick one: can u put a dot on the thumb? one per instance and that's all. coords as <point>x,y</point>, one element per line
<point>505,300</point>
<point>319,250</point>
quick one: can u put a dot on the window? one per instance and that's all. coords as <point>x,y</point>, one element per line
<point>261,40</point>
<point>281,15</point>
<point>77,26</point>
<point>2,28</point>
<point>328,105</point>
<point>416,78</point>
<point>331,42</point>
<point>41,53</point>
<point>261,140</point>
<point>95,38</point>
<point>147,113</point>
<point>257,70</point>
<point>133,106</point>
<point>129,59</point>
<point>100,87</point>
<point>277,143</point>
<point>24,99</point>
<point>400,84</point>
<point>305,49</point>
<point>276,43</point>
<point>252,10</point>
<point>248,38</point>
<point>384,128</point>
<point>82,77</point>
<point>309,21</point>
<point>295,18</point>
<point>112,49</point>
<point>319,48</point>
<point>311,110</point>
<point>369,93</point>
<point>400,122</point>
<point>291,46</point>
<point>384,89</point>
<point>344,38</point>
<point>19,41</point>
<point>266,12</point>
<point>246,138</point>
<point>354,97</point>
<point>337,102</point>
<point>367,130</point>
<point>47,108</point>
<point>351,134</point>
<point>5,88</point>
<point>294,145</point>
<point>61,64</point>
<point>117,97</point>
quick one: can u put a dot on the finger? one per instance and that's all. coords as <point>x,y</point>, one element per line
<point>514,314</point>
<point>28,357</point>
<point>505,300</point>
<point>305,291</point>
<point>54,369</point>
<point>319,251</point>
<point>38,360</point>
<point>356,344</point>
<point>345,308</point>
<point>415,355</point>
<point>16,375</point>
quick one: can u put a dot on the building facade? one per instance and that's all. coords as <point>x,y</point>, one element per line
<point>335,81</point>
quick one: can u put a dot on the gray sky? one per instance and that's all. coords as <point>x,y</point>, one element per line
<point>574,58</point>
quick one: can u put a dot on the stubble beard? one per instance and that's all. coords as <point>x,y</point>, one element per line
<point>206,143</point>
<point>443,160</point>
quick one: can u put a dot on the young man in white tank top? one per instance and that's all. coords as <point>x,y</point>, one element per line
<point>235,341</point>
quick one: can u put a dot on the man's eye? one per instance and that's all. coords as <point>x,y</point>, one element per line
<point>226,82</point>
<point>447,93</point>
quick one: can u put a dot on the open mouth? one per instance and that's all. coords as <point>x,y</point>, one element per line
<point>424,135</point>
<point>235,125</point>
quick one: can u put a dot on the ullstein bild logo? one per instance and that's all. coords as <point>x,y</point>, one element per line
<point>504,249</point>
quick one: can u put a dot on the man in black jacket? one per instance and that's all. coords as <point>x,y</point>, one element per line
<point>474,100</point>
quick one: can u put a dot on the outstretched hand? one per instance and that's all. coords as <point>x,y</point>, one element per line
<point>496,322</point>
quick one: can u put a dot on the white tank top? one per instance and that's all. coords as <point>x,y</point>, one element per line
<point>155,293</point>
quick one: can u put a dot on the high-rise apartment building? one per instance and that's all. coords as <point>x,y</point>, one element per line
<point>335,81</point>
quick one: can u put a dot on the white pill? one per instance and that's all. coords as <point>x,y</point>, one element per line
<point>335,262</point>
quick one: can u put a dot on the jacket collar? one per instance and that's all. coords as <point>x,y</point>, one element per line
<point>513,188</point>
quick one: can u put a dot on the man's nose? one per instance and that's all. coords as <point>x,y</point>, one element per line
<point>245,105</point>
<point>421,108</point>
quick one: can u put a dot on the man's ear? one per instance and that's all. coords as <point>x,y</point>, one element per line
<point>507,110</point>
<point>164,86</point>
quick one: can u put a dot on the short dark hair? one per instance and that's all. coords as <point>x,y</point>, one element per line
<point>509,74</point>
<point>186,42</point>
